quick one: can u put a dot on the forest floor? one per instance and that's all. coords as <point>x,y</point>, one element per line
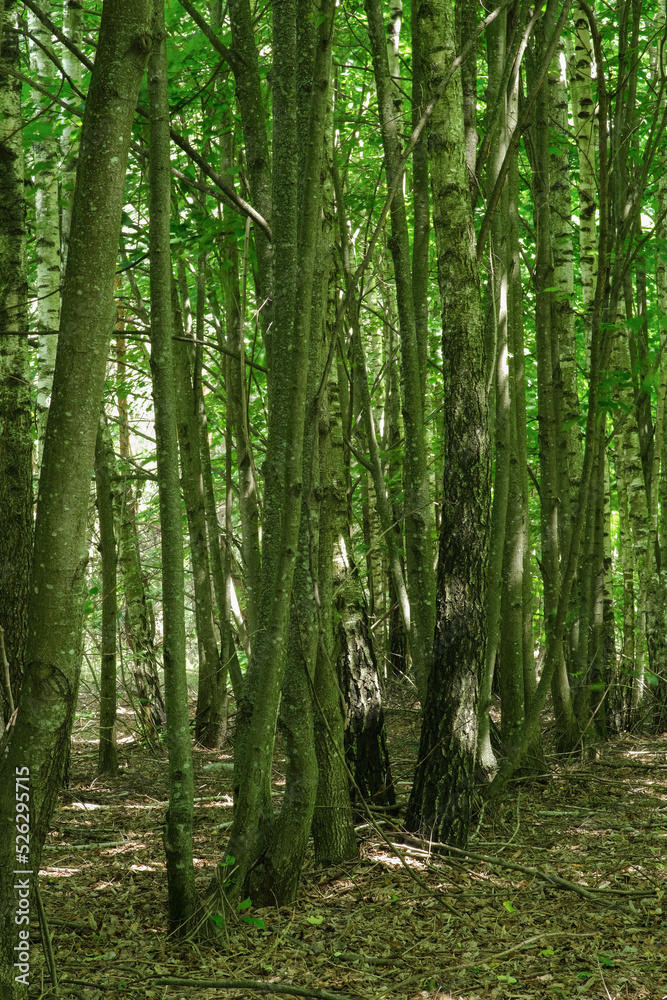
<point>561,896</point>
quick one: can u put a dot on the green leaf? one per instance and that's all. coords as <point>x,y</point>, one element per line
<point>245,905</point>
<point>316,920</point>
<point>217,919</point>
<point>257,921</point>
<point>508,906</point>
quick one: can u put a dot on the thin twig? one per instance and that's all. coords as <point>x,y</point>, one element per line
<point>246,984</point>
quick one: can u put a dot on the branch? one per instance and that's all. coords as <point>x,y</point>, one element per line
<point>55,30</point>
<point>239,203</point>
<point>555,880</point>
<point>245,984</point>
<point>201,23</point>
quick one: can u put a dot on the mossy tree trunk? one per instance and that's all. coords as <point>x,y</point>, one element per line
<point>48,696</point>
<point>179,819</point>
<point>296,230</point>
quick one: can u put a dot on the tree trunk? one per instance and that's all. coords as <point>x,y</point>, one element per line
<point>365,741</point>
<point>47,227</point>
<point>549,398</point>
<point>296,227</point>
<point>497,316</point>
<point>69,141</point>
<point>104,471</point>
<point>48,697</point>
<point>179,819</point>
<point>237,403</point>
<point>139,630</point>
<point>418,514</point>
<point>441,799</point>
<point>211,715</point>
<point>16,507</point>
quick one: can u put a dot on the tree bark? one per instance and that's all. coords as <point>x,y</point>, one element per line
<point>179,819</point>
<point>16,506</point>
<point>418,514</point>
<point>211,716</point>
<point>441,799</point>
<point>47,228</point>
<point>296,226</point>
<point>104,470</point>
<point>48,696</point>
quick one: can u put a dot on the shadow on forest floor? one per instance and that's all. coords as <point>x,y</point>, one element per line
<point>366,929</point>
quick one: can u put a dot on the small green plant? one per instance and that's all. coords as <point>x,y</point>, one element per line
<point>255,921</point>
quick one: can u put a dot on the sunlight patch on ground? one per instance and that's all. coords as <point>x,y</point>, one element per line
<point>394,862</point>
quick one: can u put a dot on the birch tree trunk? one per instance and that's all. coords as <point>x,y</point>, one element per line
<point>550,413</point>
<point>441,799</point>
<point>497,317</point>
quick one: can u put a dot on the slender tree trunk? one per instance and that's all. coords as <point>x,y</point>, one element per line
<point>210,718</point>
<point>397,647</point>
<point>353,652</point>
<point>179,820</point>
<point>441,799</point>
<point>16,506</point>
<point>253,118</point>
<point>580,59</point>
<point>296,227</point>
<point>138,617</point>
<point>69,140</point>
<point>48,695</point>
<point>237,403</point>
<point>421,207</point>
<point>374,466</point>
<point>47,228</point>
<point>333,824</point>
<point>104,470</point>
<point>418,515</point>
<point>620,693</point>
<point>568,440</point>
<point>511,674</point>
<point>549,402</point>
<point>659,481</point>
<point>497,316</point>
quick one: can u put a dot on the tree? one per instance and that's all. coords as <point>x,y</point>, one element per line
<point>442,794</point>
<point>48,694</point>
